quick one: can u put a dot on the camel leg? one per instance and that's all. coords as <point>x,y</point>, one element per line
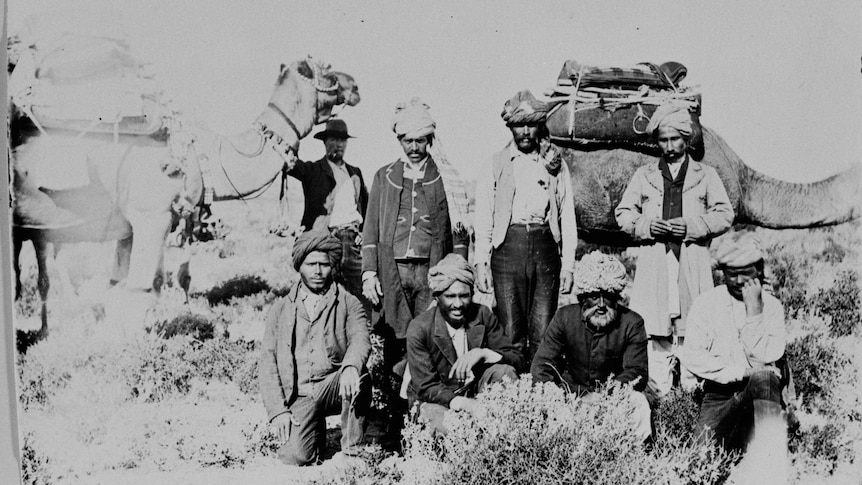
<point>44,284</point>
<point>121,260</point>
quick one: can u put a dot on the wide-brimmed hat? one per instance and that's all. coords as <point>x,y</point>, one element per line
<point>334,127</point>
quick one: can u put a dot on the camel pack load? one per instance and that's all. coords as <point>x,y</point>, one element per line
<point>80,75</point>
<point>593,104</point>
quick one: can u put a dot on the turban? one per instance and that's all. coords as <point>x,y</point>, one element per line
<point>412,119</point>
<point>599,272</point>
<point>744,252</point>
<point>524,108</point>
<point>671,115</point>
<point>316,240</point>
<point>450,269</point>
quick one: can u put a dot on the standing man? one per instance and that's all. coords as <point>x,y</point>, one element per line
<point>526,233</point>
<point>588,342</point>
<point>454,350</point>
<point>735,339</point>
<point>315,347</point>
<point>335,200</point>
<point>674,206</point>
<point>408,229</point>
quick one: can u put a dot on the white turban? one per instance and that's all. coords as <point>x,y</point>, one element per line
<point>412,119</point>
<point>744,252</point>
<point>599,272</point>
<point>450,269</point>
<point>671,115</point>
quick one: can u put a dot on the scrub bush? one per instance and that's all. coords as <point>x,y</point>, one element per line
<point>236,287</point>
<point>194,325</point>
<point>841,304</point>
<point>816,364</point>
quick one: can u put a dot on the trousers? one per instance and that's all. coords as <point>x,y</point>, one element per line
<point>526,273</point>
<point>728,410</point>
<point>307,439</point>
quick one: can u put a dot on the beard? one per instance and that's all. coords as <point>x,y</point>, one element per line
<point>600,320</point>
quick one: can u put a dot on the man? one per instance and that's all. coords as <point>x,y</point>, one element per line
<point>674,207</point>
<point>457,348</point>
<point>314,351</point>
<point>735,343</point>
<point>407,228</point>
<point>526,233</point>
<point>335,199</point>
<point>588,342</point>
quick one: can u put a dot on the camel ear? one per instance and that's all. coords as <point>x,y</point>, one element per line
<point>282,69</point>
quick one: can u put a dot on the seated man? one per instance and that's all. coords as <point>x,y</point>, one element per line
<point>588,342</point>
<point>735,338</point>
<point>315,347</point>
<point>456,348</point>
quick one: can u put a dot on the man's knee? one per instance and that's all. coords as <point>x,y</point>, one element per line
<point>297,454</point>
<point>764,384</point>
<point>500,371</point>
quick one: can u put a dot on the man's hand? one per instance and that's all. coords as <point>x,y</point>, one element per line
<point>372,290</point>
<point>463,367</point>
<point>484,279</point>
<point>771,368</point>
<point>659,227</point>
<point>752,296</point>
<point>348,383</point>
<point>282,424</point>
<point>566,282</point>
<point>678,227</point>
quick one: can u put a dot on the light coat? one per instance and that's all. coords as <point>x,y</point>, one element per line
<point>707,213</point>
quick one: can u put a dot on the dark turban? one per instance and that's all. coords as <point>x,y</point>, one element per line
<point>316,240</point>
<point>450,269</point>
<point>524,108</point>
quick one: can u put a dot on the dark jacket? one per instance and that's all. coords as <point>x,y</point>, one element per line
<point>583,358</point>
<point>318,182</point>
<point>431,355</point>
<point>379,233</point>
<point>345,336</point>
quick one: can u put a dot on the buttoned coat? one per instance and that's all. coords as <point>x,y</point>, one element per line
<point>378,236</point>
<point>431,354</point>
<point>345,337</point>
<point>318,182</point>
<point>707,212</point>
<point>581,357</point>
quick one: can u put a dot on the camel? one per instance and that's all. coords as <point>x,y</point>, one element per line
<point>136,187</point>
<point>600,175</point>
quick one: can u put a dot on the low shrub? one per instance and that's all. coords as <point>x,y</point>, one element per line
<point>823,447</point>
<point>538,434</point>
<point>676,413</point>
<point>236,287</point>
<point>841,303</point>
<point>194,325</point>
<point>816,364</point>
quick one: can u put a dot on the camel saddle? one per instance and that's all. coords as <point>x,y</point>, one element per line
<point>86,83</point>
<point>612,105</point>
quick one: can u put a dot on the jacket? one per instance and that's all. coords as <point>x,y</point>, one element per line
<point>495,192</point>
<point>318,182</point>
<point>707,212</point>
<point>582,358</point>
<point>345,335</point>
<point>431,355</point>
<point>378,254</point>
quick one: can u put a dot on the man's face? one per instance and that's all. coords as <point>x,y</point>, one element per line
<point>415,148</point>
<point>526,137</point>
<point>455,302</point>
<point>316,271</point>
<point>335,147</point>
<point>600,308</point>
<point>672,143</point>
<point>735,279</point>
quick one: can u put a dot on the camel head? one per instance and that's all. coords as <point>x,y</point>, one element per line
<point>306,91</point>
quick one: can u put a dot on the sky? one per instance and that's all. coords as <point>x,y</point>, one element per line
<point>781,80</point>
